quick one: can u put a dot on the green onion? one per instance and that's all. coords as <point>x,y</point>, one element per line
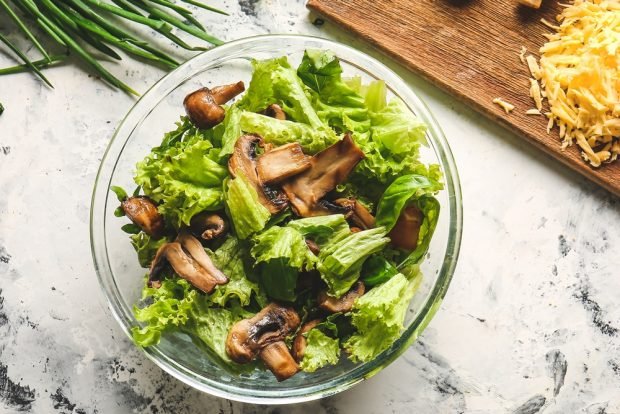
<point>79,26</point>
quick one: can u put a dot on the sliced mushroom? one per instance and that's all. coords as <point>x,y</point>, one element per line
<point>263,335</point>
<point>281,163</point>
<point>243,160</point>
<point>275,111</point>
<point>207,225</point>
<point>190,261</point>
<point>143,212</point>
<point>344,303</point>
<point>203,105</point>
<point>406,231</point>
<point>359,216</point>
<point>300,342</point>
<point>329,168</point>
<point>314,248</point>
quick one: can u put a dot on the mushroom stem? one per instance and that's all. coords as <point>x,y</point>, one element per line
<point>279,360</point>
<point>224,93</point>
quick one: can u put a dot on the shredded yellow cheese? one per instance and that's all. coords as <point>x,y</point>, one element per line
<point>508,107</point>
<point>522,54</point>
<point>579,71</point>
<point>533,111</point>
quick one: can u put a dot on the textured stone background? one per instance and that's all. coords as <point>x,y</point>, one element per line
<point>530,323</point>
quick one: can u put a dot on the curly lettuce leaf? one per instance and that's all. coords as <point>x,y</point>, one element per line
<point>398,194</point>
<point>275,81</point>
<point>176,305</point>
<point>280,132</point>
<point>282,253</point>
<point>230,258</point>
<point>247,213</point>
<point>340,261</point>
<point>336,103</point>
<point>322,229</point>
<point>146,247</point>
<point>321,350</point>
<point>183,179</point>
<point>378,317</point>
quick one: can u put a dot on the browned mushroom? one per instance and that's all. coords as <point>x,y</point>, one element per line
<point>329,168</point>
<point>207,225</point>
<point>344,303</point>
<point>281,163</point>
<point>263,335</point>
<point>314,248</point>
<point>406,231</point>
<point>359,215</point>
<point>190,261</point>
<point>143,212</point>
<point>275,111</point>
<point>243,160</point>
<point>203,105</point>
<point>300,342</point>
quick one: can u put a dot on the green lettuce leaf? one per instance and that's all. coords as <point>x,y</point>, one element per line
<point>170,307</point>
<point>247,213</point>
<point>321,350</point>
<point>275,81</point>
<point>430,207</point>
<point>230,258</point>
<point>378,317</point>
<point>336,103</point>
<point>398,194</point>
<point>232,130</point>
<point>340,261</point>
<point>279,132</point>
<point>146,247</point>
<point>183,178</point>
<point>322,229</point>
<point>176,305</point>
<point>282,253</point>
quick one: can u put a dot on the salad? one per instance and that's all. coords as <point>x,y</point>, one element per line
<point>283,226</point>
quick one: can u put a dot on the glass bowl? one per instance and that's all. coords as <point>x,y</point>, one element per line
<point>121,278</point>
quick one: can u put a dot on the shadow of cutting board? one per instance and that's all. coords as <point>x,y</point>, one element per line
<point>470,48</point>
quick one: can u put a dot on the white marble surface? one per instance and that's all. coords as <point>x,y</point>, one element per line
<point>530,324</point>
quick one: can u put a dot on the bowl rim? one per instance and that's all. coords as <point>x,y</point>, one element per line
<point>362,371</point>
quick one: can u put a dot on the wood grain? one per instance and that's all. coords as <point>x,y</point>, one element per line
<point>469,48</point>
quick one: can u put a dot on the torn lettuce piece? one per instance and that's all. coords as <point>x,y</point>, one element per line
<point>230,258</point>
<point>279,132</point>
<point>146,247</point>
<point>282,253</point>
<point>275,81</point>
<point>336,103</point>
<point>321,350</point>
<point>395,128</point>
<point>244,208</point>
<point>169,307</point>
<point>183,178</point>
<point>232,131</point>
<point>341,260</point>
<point>321,228</point>
<point>378,317</point>
<point>176,305</point>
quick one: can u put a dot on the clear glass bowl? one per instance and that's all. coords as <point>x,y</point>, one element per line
<point>121,278</point>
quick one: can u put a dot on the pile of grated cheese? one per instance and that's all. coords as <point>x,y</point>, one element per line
<point>580,78</point>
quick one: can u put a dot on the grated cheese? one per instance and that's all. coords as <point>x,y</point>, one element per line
<point>522,54</point>
<point>508,107</point>
<point>579,72</point>
<point>533,111</point>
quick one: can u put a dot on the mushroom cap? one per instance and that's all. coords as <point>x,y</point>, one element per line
<point>208,225</point>
<point>202,109</point>
<point>143,212</point>
<point>343,303</point>
<point>249,336</point>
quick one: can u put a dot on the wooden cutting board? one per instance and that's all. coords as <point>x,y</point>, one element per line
<point>471,49</point>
